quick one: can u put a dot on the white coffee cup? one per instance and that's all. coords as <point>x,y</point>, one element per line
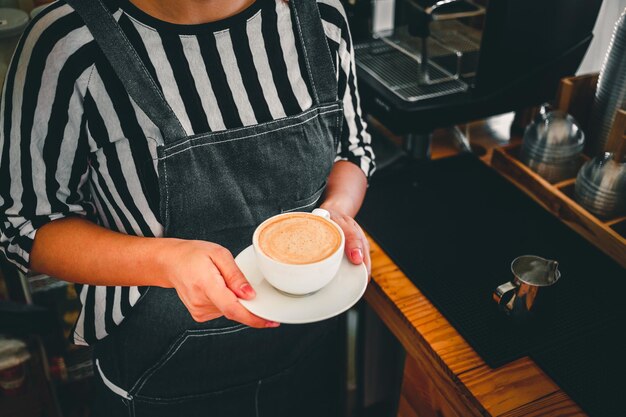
<point>299,279</point>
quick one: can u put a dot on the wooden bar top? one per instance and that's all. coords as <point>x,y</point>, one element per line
<point>519,388</point>
<point>443,370</point>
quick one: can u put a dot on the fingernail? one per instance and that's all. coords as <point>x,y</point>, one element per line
<point>356,255</point>
<point>247,290</point>
<point>272,324</point>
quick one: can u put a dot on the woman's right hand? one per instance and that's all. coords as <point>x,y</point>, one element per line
<point>204,274</point>
<point>208,281</point>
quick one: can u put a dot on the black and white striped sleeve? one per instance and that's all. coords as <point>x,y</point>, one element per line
<point>355,144</point>
<point>43,147</point>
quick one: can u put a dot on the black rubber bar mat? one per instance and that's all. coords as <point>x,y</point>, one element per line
<point>592,370</point>
<point>454,225</point>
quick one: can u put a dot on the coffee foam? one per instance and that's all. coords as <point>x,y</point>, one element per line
<point>299,239</point>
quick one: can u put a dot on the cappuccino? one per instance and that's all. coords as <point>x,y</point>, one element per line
<point>299,239</point>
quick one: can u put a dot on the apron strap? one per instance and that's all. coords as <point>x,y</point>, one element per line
<point>142,88</point>
<point>319,62</point>
<point>128,67</point>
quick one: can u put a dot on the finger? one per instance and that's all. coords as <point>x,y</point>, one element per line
<point>204,317</point>
<point>366,247</point>
<point>228,304</point>
<point>366,251</point>
<point>234,278</point>
<point>368,259</point>
<point>226,301</point>
<point>200,308</point>
<point>354,243</point>
<point>236,312</point>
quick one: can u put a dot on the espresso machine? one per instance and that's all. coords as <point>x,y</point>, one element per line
<point>426,64</point>
<point>407,38</point>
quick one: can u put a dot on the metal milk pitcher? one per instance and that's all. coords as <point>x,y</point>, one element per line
<point>529,292</point>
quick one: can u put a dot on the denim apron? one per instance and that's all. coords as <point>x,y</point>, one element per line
<point>218,187</point>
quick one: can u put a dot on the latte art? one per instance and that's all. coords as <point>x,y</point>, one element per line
<point>299,239</point>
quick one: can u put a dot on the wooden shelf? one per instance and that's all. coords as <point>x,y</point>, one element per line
<point>608,235</point>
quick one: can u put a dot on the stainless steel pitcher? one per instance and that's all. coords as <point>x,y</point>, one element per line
<point>528,292</point>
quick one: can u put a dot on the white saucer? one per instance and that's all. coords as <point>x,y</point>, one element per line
<point>339,295</point>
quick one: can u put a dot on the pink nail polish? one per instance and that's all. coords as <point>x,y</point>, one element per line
<point>272,324</point>
<point>356,255</point>
<point>247,290</point>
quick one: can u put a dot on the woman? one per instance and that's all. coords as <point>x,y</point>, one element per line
<point>139,163</point>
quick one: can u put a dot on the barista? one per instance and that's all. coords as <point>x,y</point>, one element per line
<point>142,200</point>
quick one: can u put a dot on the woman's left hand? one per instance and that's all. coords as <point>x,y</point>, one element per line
<point>357,246</point>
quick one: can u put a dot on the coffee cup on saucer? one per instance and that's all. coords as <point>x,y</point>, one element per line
<point>299,253</point>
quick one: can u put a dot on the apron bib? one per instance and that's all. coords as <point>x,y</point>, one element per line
<point>219,187</point>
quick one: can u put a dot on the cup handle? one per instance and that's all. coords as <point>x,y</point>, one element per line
<point>502,290</point>
<point>322,213</point>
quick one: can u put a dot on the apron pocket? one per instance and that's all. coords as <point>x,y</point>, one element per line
<point>305,204</point>
<point>192,365</point>
<point>236,401</point>
<point>203,362</point>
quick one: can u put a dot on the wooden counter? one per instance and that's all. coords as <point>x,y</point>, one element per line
<point>443,375</point>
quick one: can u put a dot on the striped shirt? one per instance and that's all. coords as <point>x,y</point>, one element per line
<point>72,142</point>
